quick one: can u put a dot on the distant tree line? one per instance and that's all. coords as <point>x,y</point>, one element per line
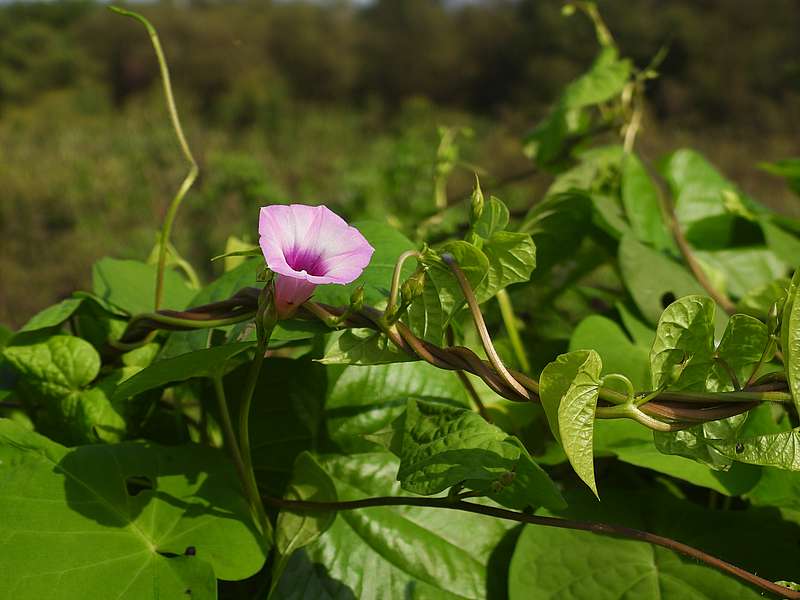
<point>727,60</point>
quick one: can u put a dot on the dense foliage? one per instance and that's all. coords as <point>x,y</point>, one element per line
<point>633,338</point>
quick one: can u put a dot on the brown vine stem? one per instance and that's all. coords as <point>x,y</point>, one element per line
<point>480,324</point>
<point>473,393</point>
<point>510,515</point>
<point>682,409</point>
<point>668,215</point>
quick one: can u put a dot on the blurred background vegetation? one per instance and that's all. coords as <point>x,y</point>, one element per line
<point>340,102</point>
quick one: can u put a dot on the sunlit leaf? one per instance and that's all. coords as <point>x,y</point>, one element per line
<point>576,419</point>
<point>604,80</point>
<point>569,390</point>
<point>759,300</point>
<point>742,268</point>
<point>512,259</point>
<point>296,529</point>
<point>790,337</point>
<point>652,279</point>
<point>130,285</point>
<point>681,356</point>
<point>699,443</point>
<point>441,446</point>
<point>56,373</point>
<point>632,443</point>
<point>741,349</point>
<point>211,362</point>
<point>441,282</point>
<point>555,381</point>
<point>365,400</point>
<point>641,202</point>
<point>123,521</point>
<point>385,552</point>
<point>53,315</point>
<point>493,220</point>
<point>780,450</point>
<point>618,353</point>
<point>361,347</point>
<point>698,190</point>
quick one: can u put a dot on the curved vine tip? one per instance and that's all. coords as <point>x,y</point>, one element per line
<point>191,176</point>
<point>480,324</point>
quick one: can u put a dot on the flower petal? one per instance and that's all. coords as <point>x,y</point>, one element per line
<point>346,267</point>
<point>312,243</point>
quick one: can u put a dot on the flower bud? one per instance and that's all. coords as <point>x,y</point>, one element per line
<point>412,287</point>
<point>357,299</point>
<point>477,203</point>
<point>266,314</point>
<point>773,321</point>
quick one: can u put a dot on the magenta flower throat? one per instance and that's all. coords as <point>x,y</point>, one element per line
<point>307,246</point>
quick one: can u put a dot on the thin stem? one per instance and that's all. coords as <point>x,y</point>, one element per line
<point>128,346</point>
<point>510,322</point>
<point>510,515</point>
<point>398,270</point>
<point>632,127</point>
<point>616,397</point>
<point>183,323</point>
<point>462,377</point>
<point>191,176</point>
<point>480,324</point>
<point>443,167</point>
<point>768,352</point>
<point>686,417</point>
<point>250,491</point>
<point>170,322</point>
<point>668,215</point>
<point>473,393</point>
<point>440,192</point>
<point>318,311</point>
<point>625,381</point>
<point>601,29</point>
<point>773,378</point>
<point>244,430</point>
<point>188,270</point>
<point>725,397</point>
<point>630,411</point>
<point>683,245</point>
<point>730,372</point>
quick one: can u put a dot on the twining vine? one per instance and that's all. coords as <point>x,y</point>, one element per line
<point>681,409</point>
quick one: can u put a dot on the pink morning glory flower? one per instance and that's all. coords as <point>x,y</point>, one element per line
<point>307,246</point>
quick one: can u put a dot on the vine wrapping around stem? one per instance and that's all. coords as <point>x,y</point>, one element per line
<point>688,408</point>
<point>679,409</point>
